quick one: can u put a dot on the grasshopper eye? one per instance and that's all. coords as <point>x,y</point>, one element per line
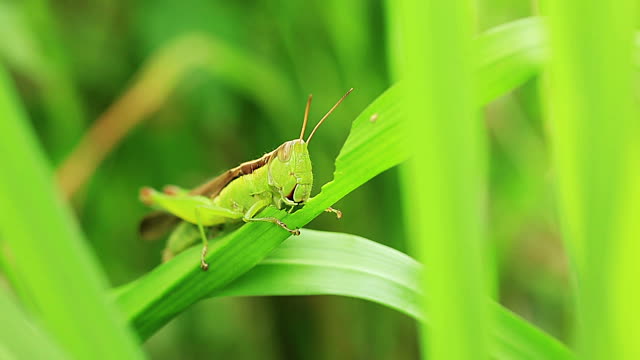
<point>284,152</point>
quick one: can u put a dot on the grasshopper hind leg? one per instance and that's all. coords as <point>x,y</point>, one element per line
<point>274,221</point>
<point>253,210</point>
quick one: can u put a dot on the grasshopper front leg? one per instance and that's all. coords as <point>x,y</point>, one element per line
<point>249,216</point>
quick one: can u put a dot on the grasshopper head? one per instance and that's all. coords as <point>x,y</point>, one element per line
<point>290,172</point>
<point>290,166</point>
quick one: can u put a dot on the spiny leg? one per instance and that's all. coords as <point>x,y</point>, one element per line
<point>259,205</point>
<point>274,221</point>
<point>335,211</point>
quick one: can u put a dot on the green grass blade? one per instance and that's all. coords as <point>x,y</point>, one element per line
<point>445,179</point>
<point>393,38</point>
<point>54,272</point>
<point>32,45</point>
<point>590,92</point>
<point>21,338</point>
<point>325,263</point>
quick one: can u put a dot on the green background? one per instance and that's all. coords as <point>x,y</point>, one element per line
<point>205,85</point>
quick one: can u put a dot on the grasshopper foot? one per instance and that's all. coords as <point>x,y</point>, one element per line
<point>284,226</point>
<point>335,211</point>
<point>203,264</point>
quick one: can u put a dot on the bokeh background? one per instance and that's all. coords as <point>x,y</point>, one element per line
<point>208,84</point>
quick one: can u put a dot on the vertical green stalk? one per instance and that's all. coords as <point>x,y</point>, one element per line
<point>445,181</point>
<point>393,32</point>
<point>595,136</point>
<point>50,265</point>
<point>61,99</point>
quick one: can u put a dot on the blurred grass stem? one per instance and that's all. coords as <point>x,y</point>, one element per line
<point>594,133</point>
<point>444,180</point>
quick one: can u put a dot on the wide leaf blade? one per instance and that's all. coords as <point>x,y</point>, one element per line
<point>326,263</point>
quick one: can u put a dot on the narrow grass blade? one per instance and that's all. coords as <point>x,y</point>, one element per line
<point>325,263</point>
<point>54,272</point>
<point>594,132</point>
<point>445,180</point>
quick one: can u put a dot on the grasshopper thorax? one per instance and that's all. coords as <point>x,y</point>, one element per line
<point>290,173</point>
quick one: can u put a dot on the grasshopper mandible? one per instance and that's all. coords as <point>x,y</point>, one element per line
<point>281,178</point>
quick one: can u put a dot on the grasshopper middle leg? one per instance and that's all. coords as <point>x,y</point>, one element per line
<point>212,211</point>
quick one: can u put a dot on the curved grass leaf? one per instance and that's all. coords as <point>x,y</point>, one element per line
<point>508,55</point>
<point>325,263</point>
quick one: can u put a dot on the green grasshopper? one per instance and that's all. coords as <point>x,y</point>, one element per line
<point>281,178</point>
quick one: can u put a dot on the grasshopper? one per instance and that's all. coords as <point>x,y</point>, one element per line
<point>281,178</point>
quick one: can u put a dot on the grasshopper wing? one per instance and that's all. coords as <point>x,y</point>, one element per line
<point>213,187</point>
<point>158,223</point>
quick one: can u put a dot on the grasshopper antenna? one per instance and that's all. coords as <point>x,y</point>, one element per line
<point>306,116</point>
<point>327,115</point>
